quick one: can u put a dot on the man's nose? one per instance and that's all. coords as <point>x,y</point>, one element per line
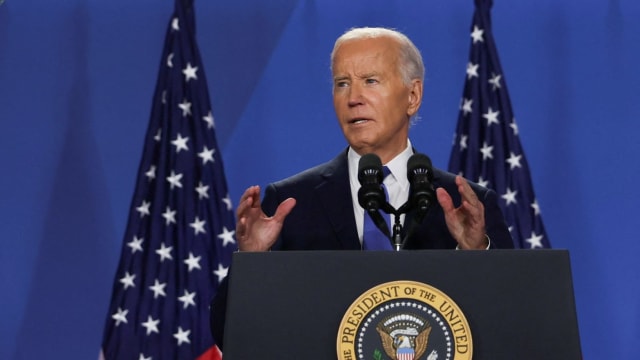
<point>355,95</point>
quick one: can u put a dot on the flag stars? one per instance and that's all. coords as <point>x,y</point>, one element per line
<point>514,160</point>
<point>209,120</point>
<point>151,173</point>
<point>187,299</point>
<point>144,208</point>
<point>174,180</point>
<point>142,357</point>
<point>190,73</point>
<point>466,106</point>
<point>182,336</point>
<point>158,135</point>
<point>463,142</point>
<point>491,116</point>
<point>127,280</point>
<point>535,240</point>
<point>476,34</point>
<point>202,191</point>
<point>221,273</point>
<point>495,81</point>
<point>170,60</point>
<point>175,24</point>
<point>206,155</point>
<point>169,216</point>
<point>227,236</point>
<point>514,126</point>
<point>164,252</point>
<point>151,325</point>
<point>120,316</point>
<point>487,151</point>
<point>472,70</point>
<point>193,262</point>
<point>536,207</point>
<point>158,289</point>
<point>198,226</point>
<point>510,196</point>
<point>180,143</point>
<point>185,106</point>
<point>135,244</point>
<point>483,182</point>
<point>227,201</point>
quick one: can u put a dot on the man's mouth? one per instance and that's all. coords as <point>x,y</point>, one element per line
<point>358,121</point>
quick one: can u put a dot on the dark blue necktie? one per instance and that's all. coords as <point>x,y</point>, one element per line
<point>372,237</point>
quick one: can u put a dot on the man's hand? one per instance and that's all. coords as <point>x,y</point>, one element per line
<point>254,230</point>
<point>465,223</point>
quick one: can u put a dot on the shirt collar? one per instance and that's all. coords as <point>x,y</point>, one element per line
<point>397,165</point>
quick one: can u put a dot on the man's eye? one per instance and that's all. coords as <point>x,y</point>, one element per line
<point>341,84</point>
<point>371,81</point>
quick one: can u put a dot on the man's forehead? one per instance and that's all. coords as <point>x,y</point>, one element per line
<point>368,47</point>
<point>363,63</point>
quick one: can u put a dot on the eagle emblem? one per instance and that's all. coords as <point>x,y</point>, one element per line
<point>404,336</point>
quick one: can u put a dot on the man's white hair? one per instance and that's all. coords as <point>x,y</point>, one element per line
<point>411,66</point>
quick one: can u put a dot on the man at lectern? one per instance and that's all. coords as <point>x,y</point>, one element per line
<point>377,88</point>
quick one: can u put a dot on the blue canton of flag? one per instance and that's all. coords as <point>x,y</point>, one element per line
<point>180,233</point>
<point>486,146</point>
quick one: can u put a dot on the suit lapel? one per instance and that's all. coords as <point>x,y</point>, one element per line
<point>334,194</point>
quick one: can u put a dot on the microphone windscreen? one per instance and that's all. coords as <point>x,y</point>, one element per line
<point>370,165</point>
<point>418,163</point>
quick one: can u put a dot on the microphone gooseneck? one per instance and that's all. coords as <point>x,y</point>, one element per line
<point>371,195</point>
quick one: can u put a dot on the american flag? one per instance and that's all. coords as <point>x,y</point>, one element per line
<point>180,234</point>
<point>486,146</point>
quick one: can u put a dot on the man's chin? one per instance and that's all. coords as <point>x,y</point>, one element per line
<point>362,147</point>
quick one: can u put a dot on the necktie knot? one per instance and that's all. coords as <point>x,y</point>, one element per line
<point>385,172</point>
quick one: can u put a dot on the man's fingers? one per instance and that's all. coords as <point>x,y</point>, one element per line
<point>284,209</point>
<point>249,199</point>
<point>444,199</point>
<point>466,193</point>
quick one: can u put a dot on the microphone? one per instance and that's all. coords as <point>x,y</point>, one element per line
<point>420,175</point>
<point>371,195</point>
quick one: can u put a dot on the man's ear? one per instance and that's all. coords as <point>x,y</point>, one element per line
<point>415,97</point>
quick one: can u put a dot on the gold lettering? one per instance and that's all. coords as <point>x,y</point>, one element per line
<point>348,334</point>
<point>368,303</point>
<point>427,295</point>
<point>462,348</point>
<point>449,312</point>
<point>351,321</point>
<point>358,314</point>
<point>386,294</point>
<point>376,299</point>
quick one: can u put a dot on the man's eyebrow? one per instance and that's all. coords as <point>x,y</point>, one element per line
<point>340,77</point>
<point>368,74</point>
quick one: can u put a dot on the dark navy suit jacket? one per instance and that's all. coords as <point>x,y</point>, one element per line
<point>323,219</point>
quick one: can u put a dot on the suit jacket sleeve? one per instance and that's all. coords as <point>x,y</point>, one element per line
<point>495,225</point>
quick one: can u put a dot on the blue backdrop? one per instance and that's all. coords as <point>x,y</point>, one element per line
<point>76,82</point>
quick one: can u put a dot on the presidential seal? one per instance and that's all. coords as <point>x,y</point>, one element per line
<point>404,320</point>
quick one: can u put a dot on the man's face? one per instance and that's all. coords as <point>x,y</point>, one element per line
<point>372,103</point>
